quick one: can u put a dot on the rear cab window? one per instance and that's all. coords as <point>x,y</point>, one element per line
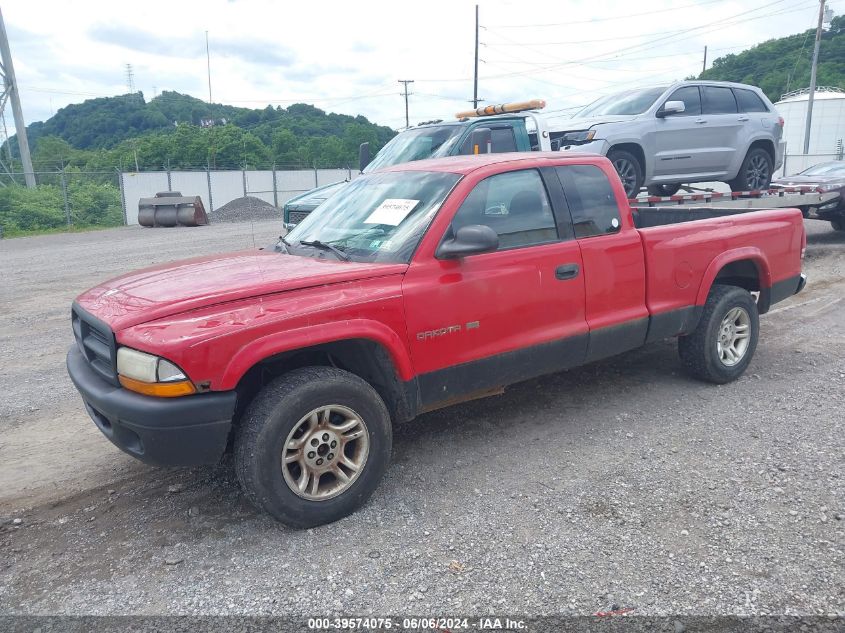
<point>718,100</point>
<point>591,200</point>
<point>502,139</point>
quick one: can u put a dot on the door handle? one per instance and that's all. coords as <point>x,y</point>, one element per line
<point>742,118</point>
<point>701,121</point>
<point>566,271</point>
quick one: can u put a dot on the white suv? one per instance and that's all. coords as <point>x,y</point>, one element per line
<point>692,131</point>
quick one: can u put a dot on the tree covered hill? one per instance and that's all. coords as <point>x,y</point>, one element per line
<point>174,130</point>
<point>783,64</point>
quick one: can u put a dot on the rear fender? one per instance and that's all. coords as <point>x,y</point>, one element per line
<point>751,253</point>
<point>291,340</point>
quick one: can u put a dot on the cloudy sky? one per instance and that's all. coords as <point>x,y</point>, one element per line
<point>347,56</point>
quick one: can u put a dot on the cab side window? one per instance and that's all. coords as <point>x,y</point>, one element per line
<point>691,98</point>
<point>515,205</point>
<point>590,198</point>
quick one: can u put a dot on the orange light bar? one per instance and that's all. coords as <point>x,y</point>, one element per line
<point>159,389</point>
<point>518,106</point>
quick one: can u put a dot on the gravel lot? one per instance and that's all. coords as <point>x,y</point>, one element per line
<point>621,484</point>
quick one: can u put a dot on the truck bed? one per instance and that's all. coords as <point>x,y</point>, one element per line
<point>681,245</point>
<point>659,216</point>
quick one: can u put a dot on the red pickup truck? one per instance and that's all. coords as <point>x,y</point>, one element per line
<point>419,286</point>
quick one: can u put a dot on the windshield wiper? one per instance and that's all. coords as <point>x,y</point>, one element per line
<point>326,247</point>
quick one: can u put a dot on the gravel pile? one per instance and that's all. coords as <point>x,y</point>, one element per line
<point>246,209</point>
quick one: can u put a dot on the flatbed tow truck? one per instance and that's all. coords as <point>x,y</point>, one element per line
<point>522,127</point>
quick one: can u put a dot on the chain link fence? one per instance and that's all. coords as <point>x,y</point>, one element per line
<point>62,200</point>
<point>70,199</point>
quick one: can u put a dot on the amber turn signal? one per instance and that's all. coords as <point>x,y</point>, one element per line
<point>159,389</point>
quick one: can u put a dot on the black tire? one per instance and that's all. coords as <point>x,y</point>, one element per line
<point>838,224</point>
<point>663,190</point>
<point>629,169</point>
<point>755,174</point>
<point>699,351</point>
<point>274,413</point>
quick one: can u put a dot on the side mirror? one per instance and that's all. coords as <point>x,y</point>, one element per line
<point>468,240</point>
<point>481,141</point>
<point>363,156</point>
<point>671,107</point>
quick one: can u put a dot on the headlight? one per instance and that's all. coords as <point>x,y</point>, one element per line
<point>579,137</point>
<point>151,375</point>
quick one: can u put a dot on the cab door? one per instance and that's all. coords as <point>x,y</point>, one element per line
<point>492,319</point>
<point>614,262</point>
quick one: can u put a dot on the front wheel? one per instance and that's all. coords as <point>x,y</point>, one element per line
<point>722,345</point>
<point>838,224</point>
<point>313,446</point>
<point>629,169</point>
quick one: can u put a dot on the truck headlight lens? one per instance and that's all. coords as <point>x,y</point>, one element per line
<point>151,375</point>
<point>579,137</point>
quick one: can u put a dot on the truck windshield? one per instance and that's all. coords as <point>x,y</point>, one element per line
<point>623,103</point>
<point>378,217</point>
<point>416,144</point>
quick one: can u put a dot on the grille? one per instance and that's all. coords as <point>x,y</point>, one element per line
<point>295,217</point>
<point>96,342</point>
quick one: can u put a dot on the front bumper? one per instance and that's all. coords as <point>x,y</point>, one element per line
<point>186,431</point>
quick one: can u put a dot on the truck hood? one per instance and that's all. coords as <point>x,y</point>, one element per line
<point>168,289</point>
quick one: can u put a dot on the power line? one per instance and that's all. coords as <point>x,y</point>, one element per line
<point>607,19</point>
<point>644,46</point>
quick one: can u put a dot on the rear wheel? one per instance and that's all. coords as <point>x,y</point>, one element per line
<point>755,174</point>
<point>629,169</point>
<point>722,345</point>
<point>838,224</point>
<point>313,446</point>
<point>663,190</point>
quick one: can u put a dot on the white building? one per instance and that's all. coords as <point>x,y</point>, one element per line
<point>827,135</point>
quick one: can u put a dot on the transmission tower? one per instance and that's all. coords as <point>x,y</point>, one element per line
<point>11,94</point>
<point>130,79</point>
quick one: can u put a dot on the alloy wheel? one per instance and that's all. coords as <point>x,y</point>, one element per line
<point>757,173</point>
<point>734,336</point>
<point>325,452</point>
<point>628,175</point>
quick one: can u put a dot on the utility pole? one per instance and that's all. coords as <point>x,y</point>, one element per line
<point>704,65</point>
<point>10,92</point>
<point>813,68</point>
<point>475,75</point>
<point>208,64</point>
<point>406,93</point>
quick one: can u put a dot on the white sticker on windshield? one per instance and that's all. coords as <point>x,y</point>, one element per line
<point>392,211</point>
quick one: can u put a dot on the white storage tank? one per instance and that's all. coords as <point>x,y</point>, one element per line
<point>828,127</point>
